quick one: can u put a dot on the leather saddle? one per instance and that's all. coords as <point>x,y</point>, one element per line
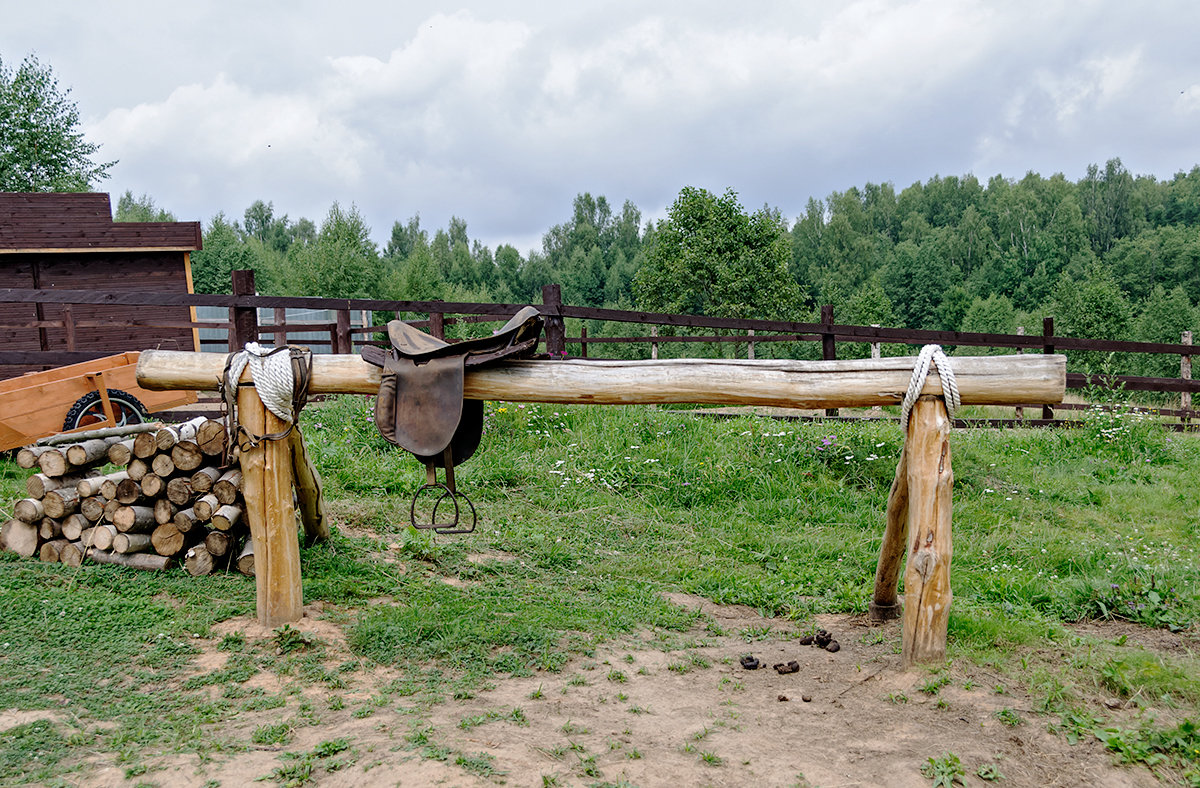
<point>420,406</point>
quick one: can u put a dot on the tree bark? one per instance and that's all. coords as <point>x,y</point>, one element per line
<point>71,554</point>
<point>103,432</point>
<point>185,520</point>
<point>146,561</point>
<point>138,519</point>
<point>49,528</point>
<point>170,435</point>
<point>131,543</point>
<point>203,479</point>
<point>94,485</point>
<point>28,457</point>
<point>89,452</point>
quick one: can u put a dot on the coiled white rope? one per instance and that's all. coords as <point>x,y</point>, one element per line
<point>273,380</point>
<point>930,354</point>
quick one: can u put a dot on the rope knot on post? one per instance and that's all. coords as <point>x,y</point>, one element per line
<point>281,376</point>
<point>930,354</point>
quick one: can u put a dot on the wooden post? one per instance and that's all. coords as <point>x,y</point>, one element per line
<point>267,488</point>
<point>828,347</point>
<point>885,605</point>
<point>556,332</point>
<point>344,343</point>
<point>654,345</point>
<point>1185,372</point>
<point>583,341</point>
<point>243,319</point>
<point>68,326</point>
<point>437,325</point>
<point>927,592</point>
<point>1048,349</point>
<point>280,321</point>
<point>875,352</point>
<point>1020,412</point>
<point>750,346</point>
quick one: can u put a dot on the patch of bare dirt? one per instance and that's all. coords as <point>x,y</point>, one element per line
<point>664,709</point>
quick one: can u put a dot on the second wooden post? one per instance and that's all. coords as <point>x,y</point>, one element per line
<point>267,488</point>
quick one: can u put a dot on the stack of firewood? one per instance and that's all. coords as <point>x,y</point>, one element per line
<point>171,501</point>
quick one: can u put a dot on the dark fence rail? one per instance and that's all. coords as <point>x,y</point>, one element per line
<point>243,326</point>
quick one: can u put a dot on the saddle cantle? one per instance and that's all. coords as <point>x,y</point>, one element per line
<point>420,406</point>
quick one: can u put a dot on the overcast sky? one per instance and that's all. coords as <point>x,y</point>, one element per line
<point>501,112</point>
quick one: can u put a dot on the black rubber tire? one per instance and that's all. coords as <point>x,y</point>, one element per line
<point>89,409</point>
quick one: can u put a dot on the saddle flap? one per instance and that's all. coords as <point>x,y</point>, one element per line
<point>419,406</point>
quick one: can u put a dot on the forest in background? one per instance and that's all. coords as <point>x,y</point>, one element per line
<point>1112,256</point>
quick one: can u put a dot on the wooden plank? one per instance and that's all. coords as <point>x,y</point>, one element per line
<point>982,380</point>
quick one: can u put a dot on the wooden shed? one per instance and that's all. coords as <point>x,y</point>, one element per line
<point>70,242</point>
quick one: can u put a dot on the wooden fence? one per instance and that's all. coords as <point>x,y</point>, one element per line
<point>243,326</point>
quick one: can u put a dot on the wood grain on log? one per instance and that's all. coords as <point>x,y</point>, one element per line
<point>20,537</point>
<point>94,485</point>
<point>229,486</point>
<point>198,561</point>
<point>61,502</point>
<point>28,457</point>
<point>29,510</point>
<point>203,479</point>
<point>180,491</point>
<point>131,543</point>
<point>205,506</point>
<point>168,436</point>
<point>245,559</point>
<point>226,517</point>
<point>92,508</point>
<point>927,593</point>
<point>49,528</point>
<point>137,468</point>
<point>187,455</point>
<point>982,380</point>
<point>153,486</point>
<point>74,526</point>
<point>53,463</point>
<point>51,551</point>
<point>163,465</point>
<point>211,438</point>
<point>164,511</point>
<point>129,491</point>
<point>89,452</point>
<point>121,453</point>
<point>185,520</point>
<point>145,446</point>
<point>136,519</point>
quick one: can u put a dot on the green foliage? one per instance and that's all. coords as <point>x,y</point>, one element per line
<point>223,253</point>
<point>140,209</point>
<point>41,146</point>
<point>710,257</point>
<point>1090,306</point>
<point>945,772</point>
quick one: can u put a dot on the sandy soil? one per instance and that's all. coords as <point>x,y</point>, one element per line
<point>663,711</point>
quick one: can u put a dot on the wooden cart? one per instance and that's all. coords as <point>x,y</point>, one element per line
<point>102,392</point>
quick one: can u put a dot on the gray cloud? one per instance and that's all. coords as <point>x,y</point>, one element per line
<point>500,113</point>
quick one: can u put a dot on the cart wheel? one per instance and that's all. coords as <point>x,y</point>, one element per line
<point>89,409</point>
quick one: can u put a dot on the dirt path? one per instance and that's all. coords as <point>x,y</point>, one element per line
<point>665,710</point>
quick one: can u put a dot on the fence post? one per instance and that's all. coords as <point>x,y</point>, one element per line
<point>556,334</point>
<point>437,325</point>
<point>828,348</point>
<point>875,353</point>
<point>279,318</point>
<point>750,346</point>
<point>1020,412</point>
<point>1185,372</point>
<point>344,343</point>
<point>243,319</point>
<point>1048,349</point>
<point>583,341</point>
<point>68,326</point>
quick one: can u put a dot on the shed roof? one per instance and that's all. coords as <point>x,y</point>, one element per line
<point>77,222</point>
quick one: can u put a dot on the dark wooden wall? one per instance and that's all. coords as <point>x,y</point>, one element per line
<point>156,272</point>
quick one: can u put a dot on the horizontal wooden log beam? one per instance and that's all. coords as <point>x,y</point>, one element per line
<point>982,380</point>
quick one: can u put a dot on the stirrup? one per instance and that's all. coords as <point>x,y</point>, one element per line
<point>447,491</point>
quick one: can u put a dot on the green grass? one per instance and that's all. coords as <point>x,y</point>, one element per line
<point>586,515</point>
